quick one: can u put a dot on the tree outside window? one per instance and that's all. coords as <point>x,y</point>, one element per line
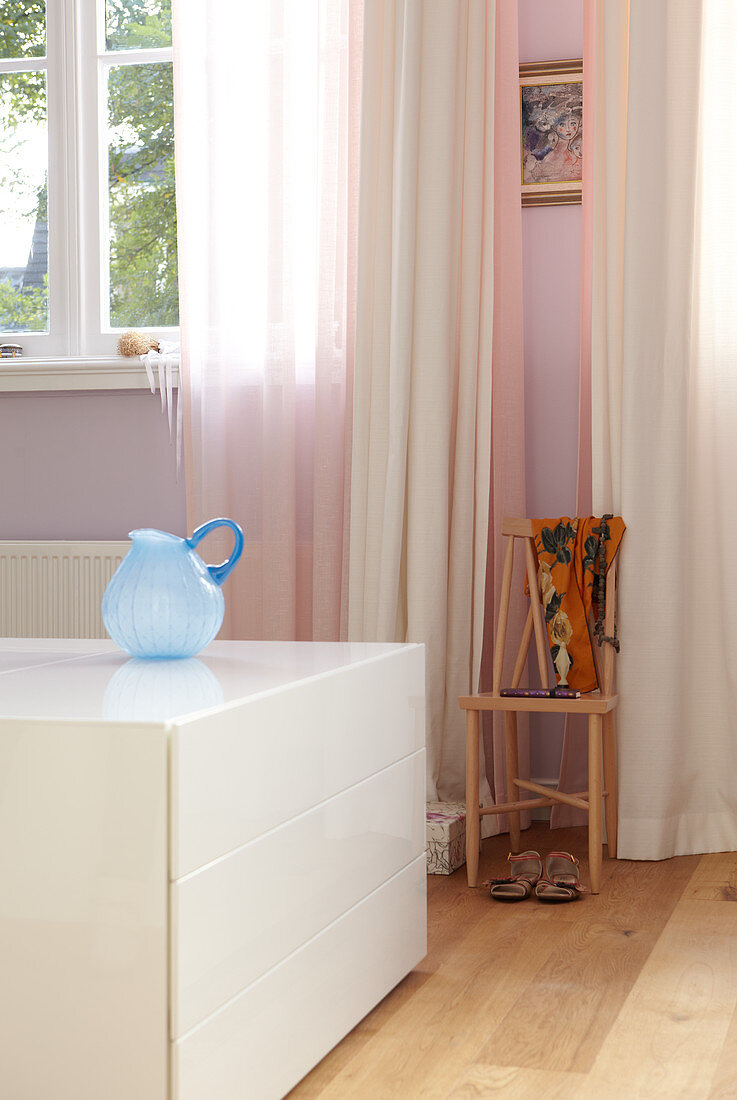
<point>140,249</point>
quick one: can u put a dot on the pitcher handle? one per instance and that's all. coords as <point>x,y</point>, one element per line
<point>219,573</point>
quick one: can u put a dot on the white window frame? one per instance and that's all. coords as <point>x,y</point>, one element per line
<point>76,65</point>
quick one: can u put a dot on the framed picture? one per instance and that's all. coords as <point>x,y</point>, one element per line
<point>551,141</point>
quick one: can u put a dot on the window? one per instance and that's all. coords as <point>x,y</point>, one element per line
<point>87,198</point>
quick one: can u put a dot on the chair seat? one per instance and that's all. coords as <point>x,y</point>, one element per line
<point>593,702</point>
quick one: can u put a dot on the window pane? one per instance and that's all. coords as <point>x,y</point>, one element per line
<point>22,28</point>
<point>23,223</point>
<point>137,24</point>
<point>143,220</point>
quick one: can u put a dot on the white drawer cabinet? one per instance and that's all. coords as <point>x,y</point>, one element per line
<point>198,905</point>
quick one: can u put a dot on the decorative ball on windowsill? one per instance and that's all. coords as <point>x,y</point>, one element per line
<point>136,343</point>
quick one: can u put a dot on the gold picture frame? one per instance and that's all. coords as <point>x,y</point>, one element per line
<point>551,132</point>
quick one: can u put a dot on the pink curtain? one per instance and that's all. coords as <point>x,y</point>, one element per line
<point>266,142</point>
<point>574,759</point>
<point>507,495</point>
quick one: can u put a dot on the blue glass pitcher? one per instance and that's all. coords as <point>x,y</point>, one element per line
<point>162,600</point>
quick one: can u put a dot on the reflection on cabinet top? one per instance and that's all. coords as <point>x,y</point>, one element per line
<point>65,679</point>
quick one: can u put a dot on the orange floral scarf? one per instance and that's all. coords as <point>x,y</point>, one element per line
<point>568,572</point>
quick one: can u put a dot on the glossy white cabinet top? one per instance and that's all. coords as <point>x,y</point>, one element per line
<point>70,679</point>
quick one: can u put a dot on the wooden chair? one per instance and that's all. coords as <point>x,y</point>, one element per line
<point>598,705</point>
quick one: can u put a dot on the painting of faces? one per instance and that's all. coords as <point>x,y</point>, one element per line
<point>551,133</point>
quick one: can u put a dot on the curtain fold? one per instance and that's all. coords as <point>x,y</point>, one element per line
<point>425,342</point>
<point>573,774</point>
<point>507,487</point>
<point>664,403</point>
<point>267,205</point>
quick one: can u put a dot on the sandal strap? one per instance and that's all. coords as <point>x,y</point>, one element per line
<point>528,858</point>
<point>530,877</point>
<point>546,883</point>
<point>564,855</point>
<point>561,884</point>
<point>576,886</point>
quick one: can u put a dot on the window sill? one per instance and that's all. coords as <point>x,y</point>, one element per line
<point>27,375</point>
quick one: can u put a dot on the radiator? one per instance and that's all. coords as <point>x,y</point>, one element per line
<point>54,589</point>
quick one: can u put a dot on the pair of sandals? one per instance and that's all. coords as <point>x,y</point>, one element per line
<point>559,883</point>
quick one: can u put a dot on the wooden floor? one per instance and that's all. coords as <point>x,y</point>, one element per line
<point>632,993</point>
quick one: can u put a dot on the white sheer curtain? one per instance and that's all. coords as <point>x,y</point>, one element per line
<point>266,125</point>
<point>664,378</point>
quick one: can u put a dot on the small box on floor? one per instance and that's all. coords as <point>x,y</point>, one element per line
<point>446,837</point>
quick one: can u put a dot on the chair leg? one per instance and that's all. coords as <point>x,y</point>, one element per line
<point>595,799</point>
<point>512,766</point>
<point>610,782</point>
<point>472,796</point>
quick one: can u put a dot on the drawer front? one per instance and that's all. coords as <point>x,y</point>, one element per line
<point>242,772</point>
<point>263,1042</point>
<point>239,917</point>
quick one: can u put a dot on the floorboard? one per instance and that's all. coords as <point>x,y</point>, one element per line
<point>632,992</point>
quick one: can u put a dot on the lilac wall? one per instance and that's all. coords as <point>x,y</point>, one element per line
<point>551,243</point>
<point>86,466</point>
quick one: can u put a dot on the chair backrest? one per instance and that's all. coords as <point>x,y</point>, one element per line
<point>522,529</point>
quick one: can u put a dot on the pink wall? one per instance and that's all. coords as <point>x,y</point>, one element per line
<point>550,30</point>
<point>551,255</point>
<point>86,466</point>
